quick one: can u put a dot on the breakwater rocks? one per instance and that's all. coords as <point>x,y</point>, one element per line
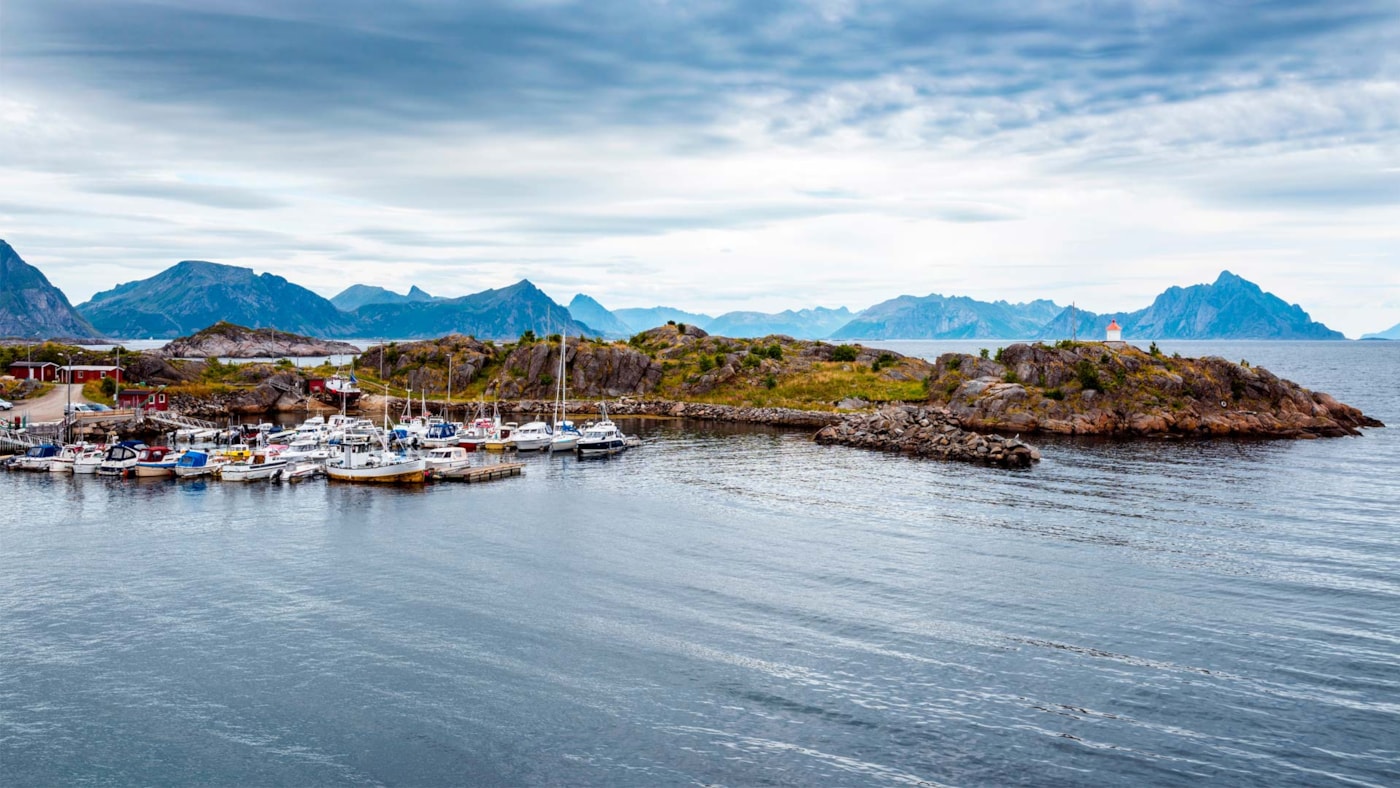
<point>926,432</point>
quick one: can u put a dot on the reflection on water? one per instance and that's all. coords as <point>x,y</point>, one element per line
<point>726,605</point>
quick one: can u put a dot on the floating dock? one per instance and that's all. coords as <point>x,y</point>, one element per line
<point>484,473</point>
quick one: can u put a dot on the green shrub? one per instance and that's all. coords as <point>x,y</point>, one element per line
<point>1054,394</point>
<point>527,337</point>
<point>706,363</point>
<point>770,382</point>
<point>775,352</point>
<point>720,359</point>
<point>1153,350</point>
<point>955,363</point>
<point>1088,375</point>
<point>1011,376</point>
<point>984,353</point>
<point>844,353</point>
<point>998,356</point>
<point>546,379</point>
<point>750,361</point>
<point>680,328</point>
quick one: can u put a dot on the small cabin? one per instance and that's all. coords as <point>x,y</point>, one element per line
<point>86,373</point>
<point>150,399</point>
<point>46,371</point>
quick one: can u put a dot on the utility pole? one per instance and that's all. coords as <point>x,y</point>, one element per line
<point>449,387</point>
<point>1073,323</point>
<point>117,392</point>
<point>68,390</point>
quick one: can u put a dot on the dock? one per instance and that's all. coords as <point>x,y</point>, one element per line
<point>483,473</point>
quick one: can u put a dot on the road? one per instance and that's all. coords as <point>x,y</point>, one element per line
<point>48,407</point>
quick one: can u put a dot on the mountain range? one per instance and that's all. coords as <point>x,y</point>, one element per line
<point>192,295</point>
<point>31,307</point>
<point>1390,333</point>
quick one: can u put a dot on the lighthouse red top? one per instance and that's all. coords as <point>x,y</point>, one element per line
<point>1113,326</point>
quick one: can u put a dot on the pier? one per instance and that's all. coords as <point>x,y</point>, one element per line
<point>485,473</point>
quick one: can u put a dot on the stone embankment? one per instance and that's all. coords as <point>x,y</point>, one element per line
<point>926,432</point>
<point>777,417</point>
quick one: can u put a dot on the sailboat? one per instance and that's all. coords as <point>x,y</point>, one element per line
<point>565,434</point>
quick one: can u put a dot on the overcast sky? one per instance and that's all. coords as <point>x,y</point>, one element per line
<point>714,155</point>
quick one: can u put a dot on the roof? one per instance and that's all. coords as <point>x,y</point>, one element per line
<point>1113,326</point>
<point>92,367</point>
<point>134,392</point>
<point>32,364</point>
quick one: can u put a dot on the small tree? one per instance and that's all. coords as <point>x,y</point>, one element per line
<point>844,353</point>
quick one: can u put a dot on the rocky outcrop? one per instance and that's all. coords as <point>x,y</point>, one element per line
<point>927,432</point>
<point>226,340</point>
<point>1093,388</point>
<point>31,307</point>
<point>593,369</point>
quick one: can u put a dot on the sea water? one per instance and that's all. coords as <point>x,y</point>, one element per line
<point>730,605</point>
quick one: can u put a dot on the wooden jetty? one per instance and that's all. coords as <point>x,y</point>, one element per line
<point>483,473</point>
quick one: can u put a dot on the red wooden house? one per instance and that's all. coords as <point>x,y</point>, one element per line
<point>83,373</point>
<point>46,371</point>
<point>150,399</point>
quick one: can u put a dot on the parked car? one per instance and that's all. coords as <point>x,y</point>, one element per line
<point>98,407</point>
<point>78,407</point>
<point>6,404</point>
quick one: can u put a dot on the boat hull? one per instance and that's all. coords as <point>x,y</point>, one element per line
<point>411,472</point>
<point>253,473</point>
<point>154,471</point>
<point>612,446</point>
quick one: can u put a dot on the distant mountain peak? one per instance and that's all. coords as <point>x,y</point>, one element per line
<point>31,307</point>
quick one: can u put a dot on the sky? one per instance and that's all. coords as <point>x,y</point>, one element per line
<point>714,155</point>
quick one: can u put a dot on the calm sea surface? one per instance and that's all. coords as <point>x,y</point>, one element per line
<point>730,606</point>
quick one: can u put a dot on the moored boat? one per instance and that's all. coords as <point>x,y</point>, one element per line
<point>155,462</point>
<point>446,458</point>
<point>532,436</point>
<point>88,459</point>
<point>120,459</point>
<point>364,459</point>
<point>602,437</point>
<point>259,467</point>
<point>39,458</point>
<point>194,464</point>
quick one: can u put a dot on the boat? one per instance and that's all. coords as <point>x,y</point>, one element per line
<point>260,467</point>
<point>446,458</point>
<point>39,458</point>
<point>120,459</point>
<point>602,437</point>
<point>341,390</point>
<point>501,440</point>
<point>532,436</point>
<point>440,434</point>
<point>155,462</point>
<point>305,449</point>
<point>366,458</point>
<point>63,462</point>
<point>566,435</point>
<point>87,459</point>
<point>300,471</point>
<point>194,464</point>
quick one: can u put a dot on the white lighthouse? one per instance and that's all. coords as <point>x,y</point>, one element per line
<point>1115,331</point>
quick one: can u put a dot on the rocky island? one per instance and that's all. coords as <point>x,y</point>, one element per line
<point>226,340</point>
<point>1112,388</point>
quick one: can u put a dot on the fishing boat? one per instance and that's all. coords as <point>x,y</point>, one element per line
<point>63,462</point>
<point>120,459</point>
<point>366,458</point>
<point>440,434</point>
<point>156,462</point>
<point>341,390</point>
<point>532,436</point>
<point>260,467</point>
<point>602,437</point>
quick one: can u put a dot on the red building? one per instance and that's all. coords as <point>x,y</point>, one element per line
<point>46,371</point>
<point>150,399</point>
<point>85,373</point>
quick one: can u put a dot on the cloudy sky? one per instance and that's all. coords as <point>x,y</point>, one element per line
<point>714,155</point>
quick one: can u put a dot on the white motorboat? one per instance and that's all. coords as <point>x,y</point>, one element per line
<point>120,459</point>
<point>601,437</point>
<point>194,464</point>
<point>305,448</point>
<point>447,458</point>
<point>39,458</point>
<point>532,436</point>
<point>156,462</point>
<point>87,460</point>
<point>260,467</point>
<point>63,462</point>
<point>300,471</point>
<point>365,459</point>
